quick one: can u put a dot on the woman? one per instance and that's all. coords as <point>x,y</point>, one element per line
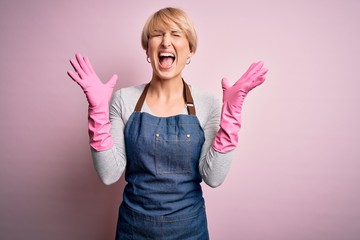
<point>165,135</point>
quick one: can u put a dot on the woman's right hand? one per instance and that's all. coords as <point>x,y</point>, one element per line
<point>97,93</point>
<point>98,96</point>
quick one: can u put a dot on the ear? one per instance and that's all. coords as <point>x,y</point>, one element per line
<point>190,54</point>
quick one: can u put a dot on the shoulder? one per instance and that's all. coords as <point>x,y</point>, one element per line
<point>207,104</point>
<point>124,100</point>
<point>129,93</point>
<point>128,96</point>
<point>202,95</point>
<point>204,99</point>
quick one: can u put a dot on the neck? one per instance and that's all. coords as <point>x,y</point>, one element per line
<point>166,89</point>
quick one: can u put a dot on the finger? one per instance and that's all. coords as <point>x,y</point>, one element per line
<point>82,63</point>
<point>112,81</point>
<point>254,67</point>
<point>263,71</point>
<point>225,83</point>
<point>77,67</point>
<point>259,81</point>
<point>260,73</point>
<point>257,67</point>
<point>249,70</point>
<point>75,77</point>
<point>88,63</point>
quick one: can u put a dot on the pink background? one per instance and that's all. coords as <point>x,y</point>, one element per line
<point>296,172</point>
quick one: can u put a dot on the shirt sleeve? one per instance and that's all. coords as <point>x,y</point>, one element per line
<point>213,165</point>
<point>110,164</point>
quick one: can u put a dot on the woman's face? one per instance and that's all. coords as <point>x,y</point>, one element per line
<point>168,50</point>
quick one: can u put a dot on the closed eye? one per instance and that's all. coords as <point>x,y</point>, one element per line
<point>176,33</point>
<point>156,33</point>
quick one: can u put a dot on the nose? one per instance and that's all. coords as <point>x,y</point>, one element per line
<point>166,41</point>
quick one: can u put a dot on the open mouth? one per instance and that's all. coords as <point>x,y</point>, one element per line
<point>166,59</point>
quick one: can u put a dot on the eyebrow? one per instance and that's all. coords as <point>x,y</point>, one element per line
<point>175,31</point>
<point>171,30</point>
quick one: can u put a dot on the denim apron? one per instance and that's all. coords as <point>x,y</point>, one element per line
<point>163,198</point>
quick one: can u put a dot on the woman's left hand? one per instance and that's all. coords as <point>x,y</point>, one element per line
<point>233,99</point>
<point>234,95</point>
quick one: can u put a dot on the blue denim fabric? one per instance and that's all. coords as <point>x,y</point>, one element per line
<point>163,197</point>
<point>133,225</point>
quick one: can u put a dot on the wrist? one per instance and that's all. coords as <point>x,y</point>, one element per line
<point>99,128</point>
<point>225,141</point>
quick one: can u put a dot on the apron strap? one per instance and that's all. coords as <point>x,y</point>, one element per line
<point>187,96</point>
<point>141,100</point>
<point>189,100</point>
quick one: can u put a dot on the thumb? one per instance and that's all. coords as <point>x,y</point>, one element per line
<point>225,83</point>
<point>112,81</point>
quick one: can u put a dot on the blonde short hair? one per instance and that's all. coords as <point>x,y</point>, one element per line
<point>164,18</point>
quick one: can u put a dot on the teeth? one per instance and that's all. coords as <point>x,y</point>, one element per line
<point>167,55</point>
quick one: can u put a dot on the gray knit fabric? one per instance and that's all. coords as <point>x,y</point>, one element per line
<point>213,166</point>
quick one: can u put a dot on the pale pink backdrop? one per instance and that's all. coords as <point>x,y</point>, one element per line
<point>296,172</point>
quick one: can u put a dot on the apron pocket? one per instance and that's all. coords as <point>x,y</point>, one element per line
<point>173,156</point>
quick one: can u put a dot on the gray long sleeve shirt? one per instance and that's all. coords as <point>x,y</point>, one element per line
<point>213,166</point>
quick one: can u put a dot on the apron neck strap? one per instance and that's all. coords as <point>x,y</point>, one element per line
<point>187,96</point>
<point>141,100</point>
<point>189,100</point>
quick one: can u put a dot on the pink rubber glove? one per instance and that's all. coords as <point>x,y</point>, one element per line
<point>98,96</point>
<point>226,138</point>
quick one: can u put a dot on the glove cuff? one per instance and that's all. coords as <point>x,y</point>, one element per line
<point>99,130</point>
<point>226,138</point>
<point>224,141</point>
